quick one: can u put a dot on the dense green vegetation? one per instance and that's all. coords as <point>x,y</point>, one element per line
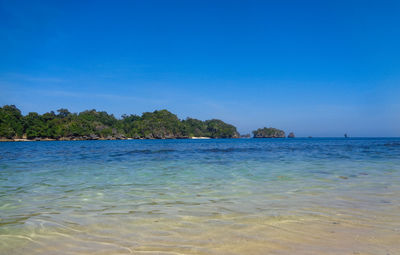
<point>92,124</point>
<point>268,133</point>
<point>11,122</point>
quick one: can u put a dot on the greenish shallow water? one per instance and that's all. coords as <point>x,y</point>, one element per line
<point>233,196</point>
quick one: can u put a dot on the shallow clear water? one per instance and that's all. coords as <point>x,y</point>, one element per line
<point>233,196</point>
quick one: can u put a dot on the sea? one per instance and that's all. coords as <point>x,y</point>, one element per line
<point>217,196</point>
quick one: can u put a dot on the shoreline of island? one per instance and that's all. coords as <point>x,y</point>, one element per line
<point>101,139</point>
<point>63,139</point>
<point>100,125</point>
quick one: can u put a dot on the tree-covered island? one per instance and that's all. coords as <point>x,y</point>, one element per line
<point>94,125</point>
<point>268,133</point>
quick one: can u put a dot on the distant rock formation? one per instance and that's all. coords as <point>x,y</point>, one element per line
<point>245,136</point>
<point>268,133</point>
<point>291,135</point>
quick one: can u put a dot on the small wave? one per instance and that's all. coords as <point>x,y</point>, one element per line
<point>133,152</point>
<point>392,144</point>
<point>231,149</point>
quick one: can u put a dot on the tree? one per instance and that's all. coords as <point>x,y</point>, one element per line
<point>63,113</point>
<point>11,122</point>
<point>194,128</point>
<point>35,125</point>
<point>268,133</point>
<point>219,129</point>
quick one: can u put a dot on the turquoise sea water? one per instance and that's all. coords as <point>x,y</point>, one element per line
<point>223,196</point>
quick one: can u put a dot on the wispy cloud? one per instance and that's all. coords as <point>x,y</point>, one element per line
<point>109,97</point>
<point>23,78</point>
<point>45,79</point>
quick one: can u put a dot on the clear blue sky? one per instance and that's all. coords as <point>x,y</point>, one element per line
<point>312,67</point>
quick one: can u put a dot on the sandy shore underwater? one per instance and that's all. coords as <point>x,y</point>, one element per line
<point>202,235</point>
